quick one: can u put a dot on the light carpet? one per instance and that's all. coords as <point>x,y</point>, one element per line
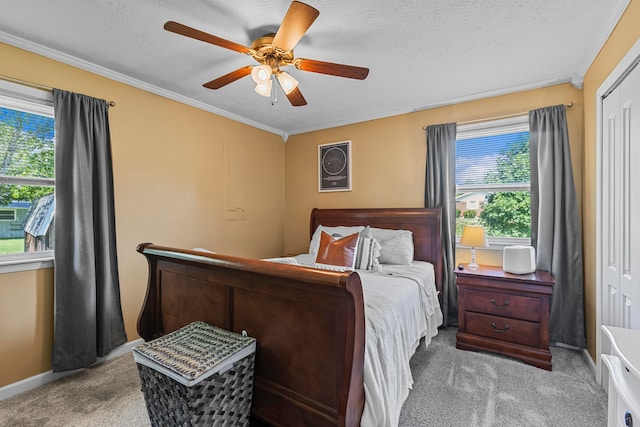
<point>452,388</point>
<point>462,388</point>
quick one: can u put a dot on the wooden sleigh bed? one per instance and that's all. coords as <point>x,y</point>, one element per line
<point>309,324</point>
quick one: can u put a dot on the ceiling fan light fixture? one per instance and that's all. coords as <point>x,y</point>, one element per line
<point>273,51</point>
<point>287,82</point>
<point>261,74</point>
<point>264,89</point>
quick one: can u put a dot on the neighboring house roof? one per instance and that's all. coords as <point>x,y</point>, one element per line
<point>40,216</point>
<point>471,196</point>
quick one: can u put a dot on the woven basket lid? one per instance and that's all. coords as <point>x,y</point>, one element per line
<point>195,350</point>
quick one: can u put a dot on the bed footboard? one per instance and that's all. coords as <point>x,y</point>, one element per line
<point>309,327</point>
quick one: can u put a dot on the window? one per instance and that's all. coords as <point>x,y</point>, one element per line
<point>27,155</point>
<point>493,179</point>
<point>7,214</point>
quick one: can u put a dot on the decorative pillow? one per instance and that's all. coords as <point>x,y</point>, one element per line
<point>368,250</point>
<point>366,233</point>
<point>367,254</point>
<point>337,251</point>
<point>338,231</point>
<point>396,246</point>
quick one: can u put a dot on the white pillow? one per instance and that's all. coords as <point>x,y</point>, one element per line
<point>396,246</point>
<point>337,232</point>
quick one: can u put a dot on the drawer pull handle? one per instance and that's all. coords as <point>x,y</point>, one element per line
<point>504,305</point>
<point>504,329</point>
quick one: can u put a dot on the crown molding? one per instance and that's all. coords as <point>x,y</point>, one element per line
<point>122,78</point>
<point>599,38</point>
<point>441,103</point>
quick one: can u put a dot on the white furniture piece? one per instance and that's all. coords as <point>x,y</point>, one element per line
<point>624,375</point>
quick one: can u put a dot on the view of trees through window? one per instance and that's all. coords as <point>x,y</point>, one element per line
<point>27,153</point>
<point>493,184</point>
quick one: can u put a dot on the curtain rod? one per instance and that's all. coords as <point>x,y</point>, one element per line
<point>507,116</point>
<point>38,86</point>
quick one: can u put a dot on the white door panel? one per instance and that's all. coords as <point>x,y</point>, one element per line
<point>621,204</point>
<point>610,142</point>
<point>610,306</point>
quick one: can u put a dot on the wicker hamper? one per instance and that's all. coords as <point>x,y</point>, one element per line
<point>198,375</point>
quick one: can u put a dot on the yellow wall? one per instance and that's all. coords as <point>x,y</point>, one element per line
<point>26,324</point>
<point>169,189</point>
<point>625,35</point>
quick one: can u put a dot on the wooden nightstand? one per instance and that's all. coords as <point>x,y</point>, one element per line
<point>505,313</point>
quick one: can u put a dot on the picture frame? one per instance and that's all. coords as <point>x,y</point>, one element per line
<point>334,166</point>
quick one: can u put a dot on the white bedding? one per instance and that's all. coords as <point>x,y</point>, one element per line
<point>401,307</point>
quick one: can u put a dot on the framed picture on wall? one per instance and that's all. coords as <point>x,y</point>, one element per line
<point>334,166</point>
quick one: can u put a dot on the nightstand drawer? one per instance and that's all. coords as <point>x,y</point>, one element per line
<point>502,328</point>
<point>507,305</point>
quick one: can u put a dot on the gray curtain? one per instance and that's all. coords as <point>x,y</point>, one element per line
<point>555,225</point>
<point>87,312</point>
<point>440,192</point>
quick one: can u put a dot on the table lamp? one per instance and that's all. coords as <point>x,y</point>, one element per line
<point>475,237</point>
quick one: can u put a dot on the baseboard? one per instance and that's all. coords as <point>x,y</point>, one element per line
<point>21,386</point>
<point>594,369</point>
<point>590,362</point>
<point>585,354</point>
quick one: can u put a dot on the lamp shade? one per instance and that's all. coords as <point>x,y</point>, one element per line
<point>264,89</point>
<point>287,82</point>
<point>261,74</point>
<point>474,236</point>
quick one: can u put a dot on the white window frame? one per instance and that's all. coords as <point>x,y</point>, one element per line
<point>40,102</point>
<point>491,128</point>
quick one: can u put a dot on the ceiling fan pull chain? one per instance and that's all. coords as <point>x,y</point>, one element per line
<point>274,101</point>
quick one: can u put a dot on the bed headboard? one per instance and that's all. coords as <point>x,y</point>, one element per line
<point>424,223</point>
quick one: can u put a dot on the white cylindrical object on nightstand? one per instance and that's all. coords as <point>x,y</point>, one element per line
<point>519,259</point>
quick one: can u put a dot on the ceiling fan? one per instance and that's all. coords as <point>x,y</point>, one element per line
<point>273,52</point>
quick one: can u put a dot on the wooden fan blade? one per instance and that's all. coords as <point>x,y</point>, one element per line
<point>228,78</point>
<point>183,30</point>
<point>295,23</point>
<point>332,69</point>
<point>296,99</point>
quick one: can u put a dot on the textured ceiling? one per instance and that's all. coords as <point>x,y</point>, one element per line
<point>421,53</point>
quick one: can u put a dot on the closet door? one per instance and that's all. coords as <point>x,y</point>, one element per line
<point>630,205</point>
<point>621,206</point>
<point>610,209</point>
